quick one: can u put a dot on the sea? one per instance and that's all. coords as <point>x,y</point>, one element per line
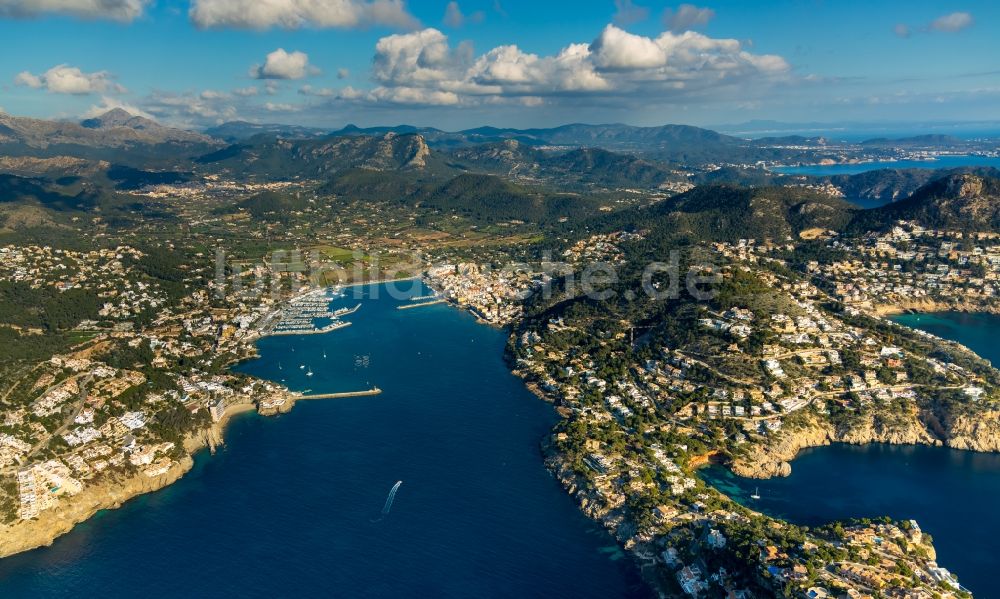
<point>953,495</point>
<point>942,162</point>
<point>298,505</point>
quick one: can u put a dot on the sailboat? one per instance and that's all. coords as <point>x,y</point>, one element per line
<point>309,372</point>
<point>756,493</point>
<point>279,365</point>
<point>324,354</point>
<point>302,366</point>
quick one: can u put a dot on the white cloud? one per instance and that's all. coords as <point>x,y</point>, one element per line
<point>343,73</point>
<point>418,57</point>
<point>421,67</point>
<point>211,94</point>
<point>686,17</point>
<point>953,22</point>
<point>116,10</point>
<point>28,80</point>
<point>628,13</point>
<point>322,92</point>
<point>346,93</point>
<point>349,93</point>
<point>618,49</point>
<point>188,109</point>
<point>282,107</point>
<point>414,96</point>
<point>950,23</point>
<point>284,65</point>
<point>64,79</point>
<point>453,16</point>
<point>293,14</point>
<point>246,92</point>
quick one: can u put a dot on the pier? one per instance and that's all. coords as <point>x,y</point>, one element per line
<point>307,330</point>
<point>364,393</point>
<point>421,304</point>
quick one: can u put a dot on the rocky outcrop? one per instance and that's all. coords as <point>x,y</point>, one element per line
<point>50,524</point>
<point>772,458</point>
<point>976,432</point>
<point>273,408</point>
<point>927,306</point>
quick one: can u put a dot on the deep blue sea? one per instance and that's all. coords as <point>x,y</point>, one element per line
<point>952,494</point>
<point>853,169</point>
<point>292,505</point>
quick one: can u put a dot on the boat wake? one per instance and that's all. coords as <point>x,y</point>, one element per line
<point>389,500</point>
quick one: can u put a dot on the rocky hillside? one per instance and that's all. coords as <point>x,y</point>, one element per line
<point>580,167</point>
<point>115,136</point>
<point>962,201</point>
<point>271,157</point>
<point>114,129</point>
<point>728,213</point>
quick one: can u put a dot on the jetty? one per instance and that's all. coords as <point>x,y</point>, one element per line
<point>307,330</point>
<point>344,311</point>
<point>364,393</point>
<point>421,304</point>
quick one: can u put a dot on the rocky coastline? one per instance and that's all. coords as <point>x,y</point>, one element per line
<point>930,306</point>
<point>111,493</point>
<point>980,433</point>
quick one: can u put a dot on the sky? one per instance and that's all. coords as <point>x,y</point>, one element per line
<point>511,63</point>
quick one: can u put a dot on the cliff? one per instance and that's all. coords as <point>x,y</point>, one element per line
<point>927,305</point>
<point>772,457</point>
<point>976,432</point>
<point>109,493</point>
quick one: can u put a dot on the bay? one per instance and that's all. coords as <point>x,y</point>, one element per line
<point>952,494</point>
<point>825,170</point>
<point>292,506</point>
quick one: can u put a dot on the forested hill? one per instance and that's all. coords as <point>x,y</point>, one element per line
<point>960,202</point>
<point>275,158</point>
<point>729,213</point>
<point>487,198</point>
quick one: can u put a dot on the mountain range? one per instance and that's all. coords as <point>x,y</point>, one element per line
<point>114,135</point>
<point>130,151</point>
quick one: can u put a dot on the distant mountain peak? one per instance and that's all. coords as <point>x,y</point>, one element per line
<point>119,117</point>
<point>116,114</point>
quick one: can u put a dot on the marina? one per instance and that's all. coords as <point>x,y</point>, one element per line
<point>302,315</point>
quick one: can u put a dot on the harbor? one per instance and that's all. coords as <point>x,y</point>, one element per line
<point>303,315</point>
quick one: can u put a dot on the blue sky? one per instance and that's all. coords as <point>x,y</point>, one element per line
<point>501,62</point>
